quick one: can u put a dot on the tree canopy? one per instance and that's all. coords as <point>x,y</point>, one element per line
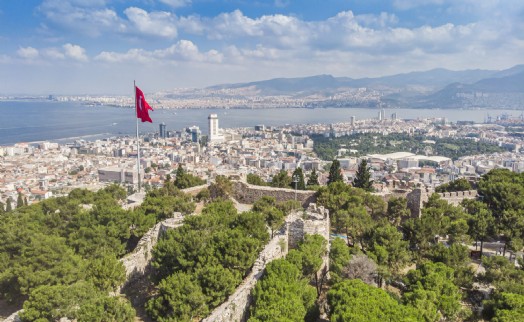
<point>460,184</point>
<point>300,183</point>
<point>431,290</point>
<point>255,179</point>
<point>335,173</point>
<point>363,177</point>
<point>313,179</point>
<point>184,180</point>
<point>368,143</point>
<point>353,300</point>
<point>200,263</point>
<point>284,293</point>
<point>281,180</point>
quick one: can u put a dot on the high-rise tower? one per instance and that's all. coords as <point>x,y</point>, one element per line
<point>214,131</point>
<point>162,130</point>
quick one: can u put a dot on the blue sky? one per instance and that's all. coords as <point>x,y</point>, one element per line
<point>101,46</point>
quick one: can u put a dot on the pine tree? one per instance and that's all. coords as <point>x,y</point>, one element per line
<point>2,208</point>
<point>313,178</point>
<point>180,178</point>
<point>363,176</point>
<point>19,201</point>
<point>9,206</point>
<point>300,184</point>
<point>335,173</point>
<point>281,180</point>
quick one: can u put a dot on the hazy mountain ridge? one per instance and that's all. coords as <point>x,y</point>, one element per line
<point>436,88</point>
<point>504,89</point>
<point>434,79</point>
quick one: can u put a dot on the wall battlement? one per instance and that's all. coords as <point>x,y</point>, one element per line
<point>248,194</point>
<point>418,197</point>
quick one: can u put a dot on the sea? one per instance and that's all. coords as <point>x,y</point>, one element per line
<point>63,122</point>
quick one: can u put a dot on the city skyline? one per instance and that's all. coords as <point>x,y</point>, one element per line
<point>99,47</point>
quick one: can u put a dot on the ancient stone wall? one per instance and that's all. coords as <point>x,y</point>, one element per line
<point>137,263</point>
<point>311,221</point>
<point>236,308</point>
<point>417,197</point>
<point>193,191</point>
<point>248,194</point>
<point>314,220</point>
<point>14,317</point>
<point>455,198</point>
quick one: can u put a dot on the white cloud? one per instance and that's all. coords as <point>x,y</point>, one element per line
<point>367,39</point>
<point>132,55</point>
<point>53,53</point>
<point>382,20</point>
<point>176,3</point>
<point>96,20</point>
<point>154,23</point>
<point>261,52</point>
<point>279,30</point>
<point>65,52</point>
<point>192,25</point>
<point>183,50</point>
<point>75,52</point>
<point>89,17</point>
<point>28,52</point>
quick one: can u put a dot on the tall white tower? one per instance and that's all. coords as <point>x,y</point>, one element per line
<point>214,132</point>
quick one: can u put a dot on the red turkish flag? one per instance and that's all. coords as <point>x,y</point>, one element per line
<point>142,107</point>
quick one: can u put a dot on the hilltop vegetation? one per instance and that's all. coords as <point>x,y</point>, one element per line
<point>60,257</point>
<point>369,279</point>
<point>199,264</point>
<point>369,143</point>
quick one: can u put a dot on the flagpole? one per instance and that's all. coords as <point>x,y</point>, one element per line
<point>137,138</point>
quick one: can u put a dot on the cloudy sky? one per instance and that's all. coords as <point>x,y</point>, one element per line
<point>101,46</point>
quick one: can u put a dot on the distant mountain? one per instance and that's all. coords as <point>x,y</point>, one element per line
<point>290,85</point>
<point>510,71</point>
<point>435,78</point>
<point>436,88</point>
<point>425,81</point>
<point>503,89</point>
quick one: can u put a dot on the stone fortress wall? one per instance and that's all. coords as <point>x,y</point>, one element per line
<point>314,220</point>
<point>417,197</point>
<point>455,198</point>
<point>236,307</point>
<point>137,263</point>
<point>248,194</point>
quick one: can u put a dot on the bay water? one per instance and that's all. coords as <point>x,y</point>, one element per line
<point>29,121</point>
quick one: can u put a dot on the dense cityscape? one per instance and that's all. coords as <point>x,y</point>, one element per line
<point>55,169</point>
